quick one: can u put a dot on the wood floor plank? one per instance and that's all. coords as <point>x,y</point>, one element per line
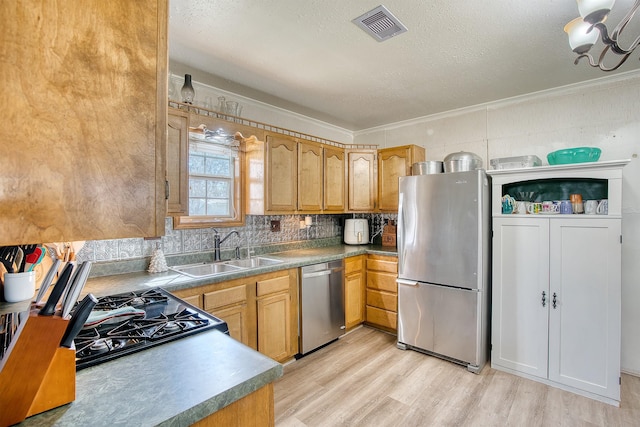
<point>364,380</point>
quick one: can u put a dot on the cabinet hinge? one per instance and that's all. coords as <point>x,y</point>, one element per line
<point>166,189</point>
<point>619,380</point>
<point>621,239</point>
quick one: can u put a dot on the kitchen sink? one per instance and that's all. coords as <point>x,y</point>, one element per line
<point>206,269</point>
<point>253,262</point>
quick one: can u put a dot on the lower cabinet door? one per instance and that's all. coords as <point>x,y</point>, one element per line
<point>584,325</point>
<point>353,300</point>
<point>520,316</point>
<point>274,326</point>
<point>236,318</point>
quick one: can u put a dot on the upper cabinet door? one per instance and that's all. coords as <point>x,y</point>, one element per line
<point>281,173</point>
<point>177,158</point>
<point>334,178</point>
<point>393,163</point>
<point>310,171</point>
<point>85,106</point>
<point>362,183</point>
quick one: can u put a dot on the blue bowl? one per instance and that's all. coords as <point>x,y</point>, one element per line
<point>574,155</point>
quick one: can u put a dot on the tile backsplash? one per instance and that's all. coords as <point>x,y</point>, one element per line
<point>255,233</point>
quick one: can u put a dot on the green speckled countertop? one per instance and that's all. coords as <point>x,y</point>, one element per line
<point>174,384</point>
<point>185,380</point>
<point>171,280</point>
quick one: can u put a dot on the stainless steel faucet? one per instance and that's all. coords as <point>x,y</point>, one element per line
<point>217,241</point>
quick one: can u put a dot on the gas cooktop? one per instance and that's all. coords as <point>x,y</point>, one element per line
<point>129,322</point>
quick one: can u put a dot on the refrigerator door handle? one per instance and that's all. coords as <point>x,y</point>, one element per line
<point>400,236</point>
<point>406,282</point>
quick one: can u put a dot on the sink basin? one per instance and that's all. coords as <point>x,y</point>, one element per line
<point>257,261</point>
<point>206,269</point>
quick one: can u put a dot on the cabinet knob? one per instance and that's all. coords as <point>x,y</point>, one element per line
<point>554,300</point>
<point>544,299</point>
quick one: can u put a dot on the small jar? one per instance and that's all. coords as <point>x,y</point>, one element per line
<point>576,203</point>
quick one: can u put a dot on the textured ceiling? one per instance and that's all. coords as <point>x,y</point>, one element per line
<point>307,56</point>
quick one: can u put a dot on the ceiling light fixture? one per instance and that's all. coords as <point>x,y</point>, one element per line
<point>582,36</point>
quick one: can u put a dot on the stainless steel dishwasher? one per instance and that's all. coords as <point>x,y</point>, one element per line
<point>321,304</point>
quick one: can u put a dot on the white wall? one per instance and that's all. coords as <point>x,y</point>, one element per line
<point>604,113</point>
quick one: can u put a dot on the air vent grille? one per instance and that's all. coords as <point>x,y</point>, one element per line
<point>380,24</point>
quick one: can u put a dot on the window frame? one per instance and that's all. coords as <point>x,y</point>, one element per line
<point>238,211</point>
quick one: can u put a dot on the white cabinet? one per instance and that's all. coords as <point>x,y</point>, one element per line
<point>584,309</point>
<point>556,286</point>
<point>556,301</point>
<point>520,321</point>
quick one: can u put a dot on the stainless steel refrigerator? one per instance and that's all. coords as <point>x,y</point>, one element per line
<point>443,266</point>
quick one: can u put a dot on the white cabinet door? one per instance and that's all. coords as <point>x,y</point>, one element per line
<point>584,333</point>
<point>519,333</point>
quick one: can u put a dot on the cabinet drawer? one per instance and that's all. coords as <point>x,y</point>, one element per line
<point>382,265</point>
<point>353,264</point>
<point>224,297</point>
<point>383,300</point>
<point>384,318</point>
<point>195,300</point>
<point>382,281</point>
<point>270,286</point>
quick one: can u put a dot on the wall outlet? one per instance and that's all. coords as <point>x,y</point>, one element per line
<point>275,226</point>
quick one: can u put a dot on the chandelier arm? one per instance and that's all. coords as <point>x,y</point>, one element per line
<point>613,40</point>
<point>589,58</point>
<point>615,67</point>
<point>600,64</point>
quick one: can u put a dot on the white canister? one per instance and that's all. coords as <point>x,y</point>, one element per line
<point>19,286</point>
<point>356,231</point>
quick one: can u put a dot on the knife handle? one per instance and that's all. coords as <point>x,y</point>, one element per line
<point>78,318</point>
<point>74,290</point>
<point>46,282</point>
<point>50,307</point>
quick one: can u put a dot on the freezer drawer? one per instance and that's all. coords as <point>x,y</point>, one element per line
<point>441,320</point>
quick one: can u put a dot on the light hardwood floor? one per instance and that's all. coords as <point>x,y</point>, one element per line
<point>364,380</point>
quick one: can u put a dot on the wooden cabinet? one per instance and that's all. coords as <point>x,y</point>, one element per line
<point>382,292</point>
<point>232,305</point>
<point>393,163</point>
<point>286,175</point>
<point>177,161</point>
<point>233,301</point>
<point>271,174</point>
<point>85,92</point>
<point>334,179</point>
<point>261,311</point>
<point>361,180</point>
<point>281,169</point>
<point>354,290</point>
<point>310,177</point>
<point>556,289</point>
<point>277,308</point>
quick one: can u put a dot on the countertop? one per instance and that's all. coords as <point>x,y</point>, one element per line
<point>174,384</point>
<point>171,280</point>
<point>185,380</point>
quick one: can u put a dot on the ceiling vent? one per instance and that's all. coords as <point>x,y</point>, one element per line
<point>380,24</point>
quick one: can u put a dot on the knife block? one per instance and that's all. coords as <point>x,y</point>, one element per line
<point>36,374</point>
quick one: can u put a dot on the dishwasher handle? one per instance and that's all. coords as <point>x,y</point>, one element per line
<point>321,273</point>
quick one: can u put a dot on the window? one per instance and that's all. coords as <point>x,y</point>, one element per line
<point>214,178</point>
<point>210,183</point>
